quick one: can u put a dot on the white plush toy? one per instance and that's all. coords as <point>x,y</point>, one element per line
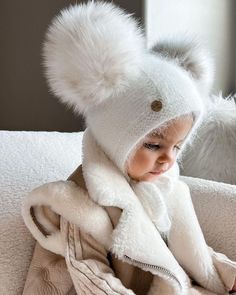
<point>212,153</point>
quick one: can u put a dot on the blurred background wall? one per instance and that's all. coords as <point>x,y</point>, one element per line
<point>25,101</point>
<point>213,21</point>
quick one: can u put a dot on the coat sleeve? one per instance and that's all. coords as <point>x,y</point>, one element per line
<point>215,206</point>
<point>48,274</point>
<point>66,257</point>
<point>210,200</point>
<point>225,267</point>
<point>89,266</point>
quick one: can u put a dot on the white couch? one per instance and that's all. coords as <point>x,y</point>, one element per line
<point>29,159</point>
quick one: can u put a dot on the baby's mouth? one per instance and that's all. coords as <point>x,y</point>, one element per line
<point>159,172</point>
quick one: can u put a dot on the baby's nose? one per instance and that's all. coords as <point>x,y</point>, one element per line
<point>167,157</point>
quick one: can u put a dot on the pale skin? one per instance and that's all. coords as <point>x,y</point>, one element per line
<point>158,153</point>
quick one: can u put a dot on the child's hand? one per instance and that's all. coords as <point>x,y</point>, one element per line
<point>234,287</point>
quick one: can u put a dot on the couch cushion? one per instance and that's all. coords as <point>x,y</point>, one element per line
<point>27,160</point>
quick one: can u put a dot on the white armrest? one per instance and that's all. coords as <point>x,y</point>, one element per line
<point>215,205</point>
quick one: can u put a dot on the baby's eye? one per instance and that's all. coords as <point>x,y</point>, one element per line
<point>177,147</point>
<point>152,146</point>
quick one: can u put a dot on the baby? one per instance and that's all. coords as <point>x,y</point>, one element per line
<point>158,151</point>
<point>123,222</point>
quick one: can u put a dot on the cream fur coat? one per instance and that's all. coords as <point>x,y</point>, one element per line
<point>100,233</point>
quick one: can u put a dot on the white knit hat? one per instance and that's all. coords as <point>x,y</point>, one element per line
<point>97,62</point>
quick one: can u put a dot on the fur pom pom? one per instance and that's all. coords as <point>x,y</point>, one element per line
<point>90,52</point>
<point>212,153</point>
<point>192,57</point>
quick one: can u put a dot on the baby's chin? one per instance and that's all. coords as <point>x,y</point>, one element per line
<point>150,177</point>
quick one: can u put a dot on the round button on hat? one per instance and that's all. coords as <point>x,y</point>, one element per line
<point>156,105</point>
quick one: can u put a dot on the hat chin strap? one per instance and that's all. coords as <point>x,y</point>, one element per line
<point>153,202</point>
<point>106,182</point>
<point>108,186</point>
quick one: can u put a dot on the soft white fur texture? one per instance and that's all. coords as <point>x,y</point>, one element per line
<point>91,50</point>
<point>108,187</point>
<point>135,235</point>
<point>29,159</point>
<point>96,62</point>
<point>189,53</point>
<point>215,203</point>
<point>212,152</point>
<point>80,211</point>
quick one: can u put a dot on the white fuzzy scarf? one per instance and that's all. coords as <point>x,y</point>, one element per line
<point>150,194</point>
<point>153,202</point>
<point>142,204</point>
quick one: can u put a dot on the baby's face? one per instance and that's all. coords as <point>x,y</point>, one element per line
<point>158,152</point>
